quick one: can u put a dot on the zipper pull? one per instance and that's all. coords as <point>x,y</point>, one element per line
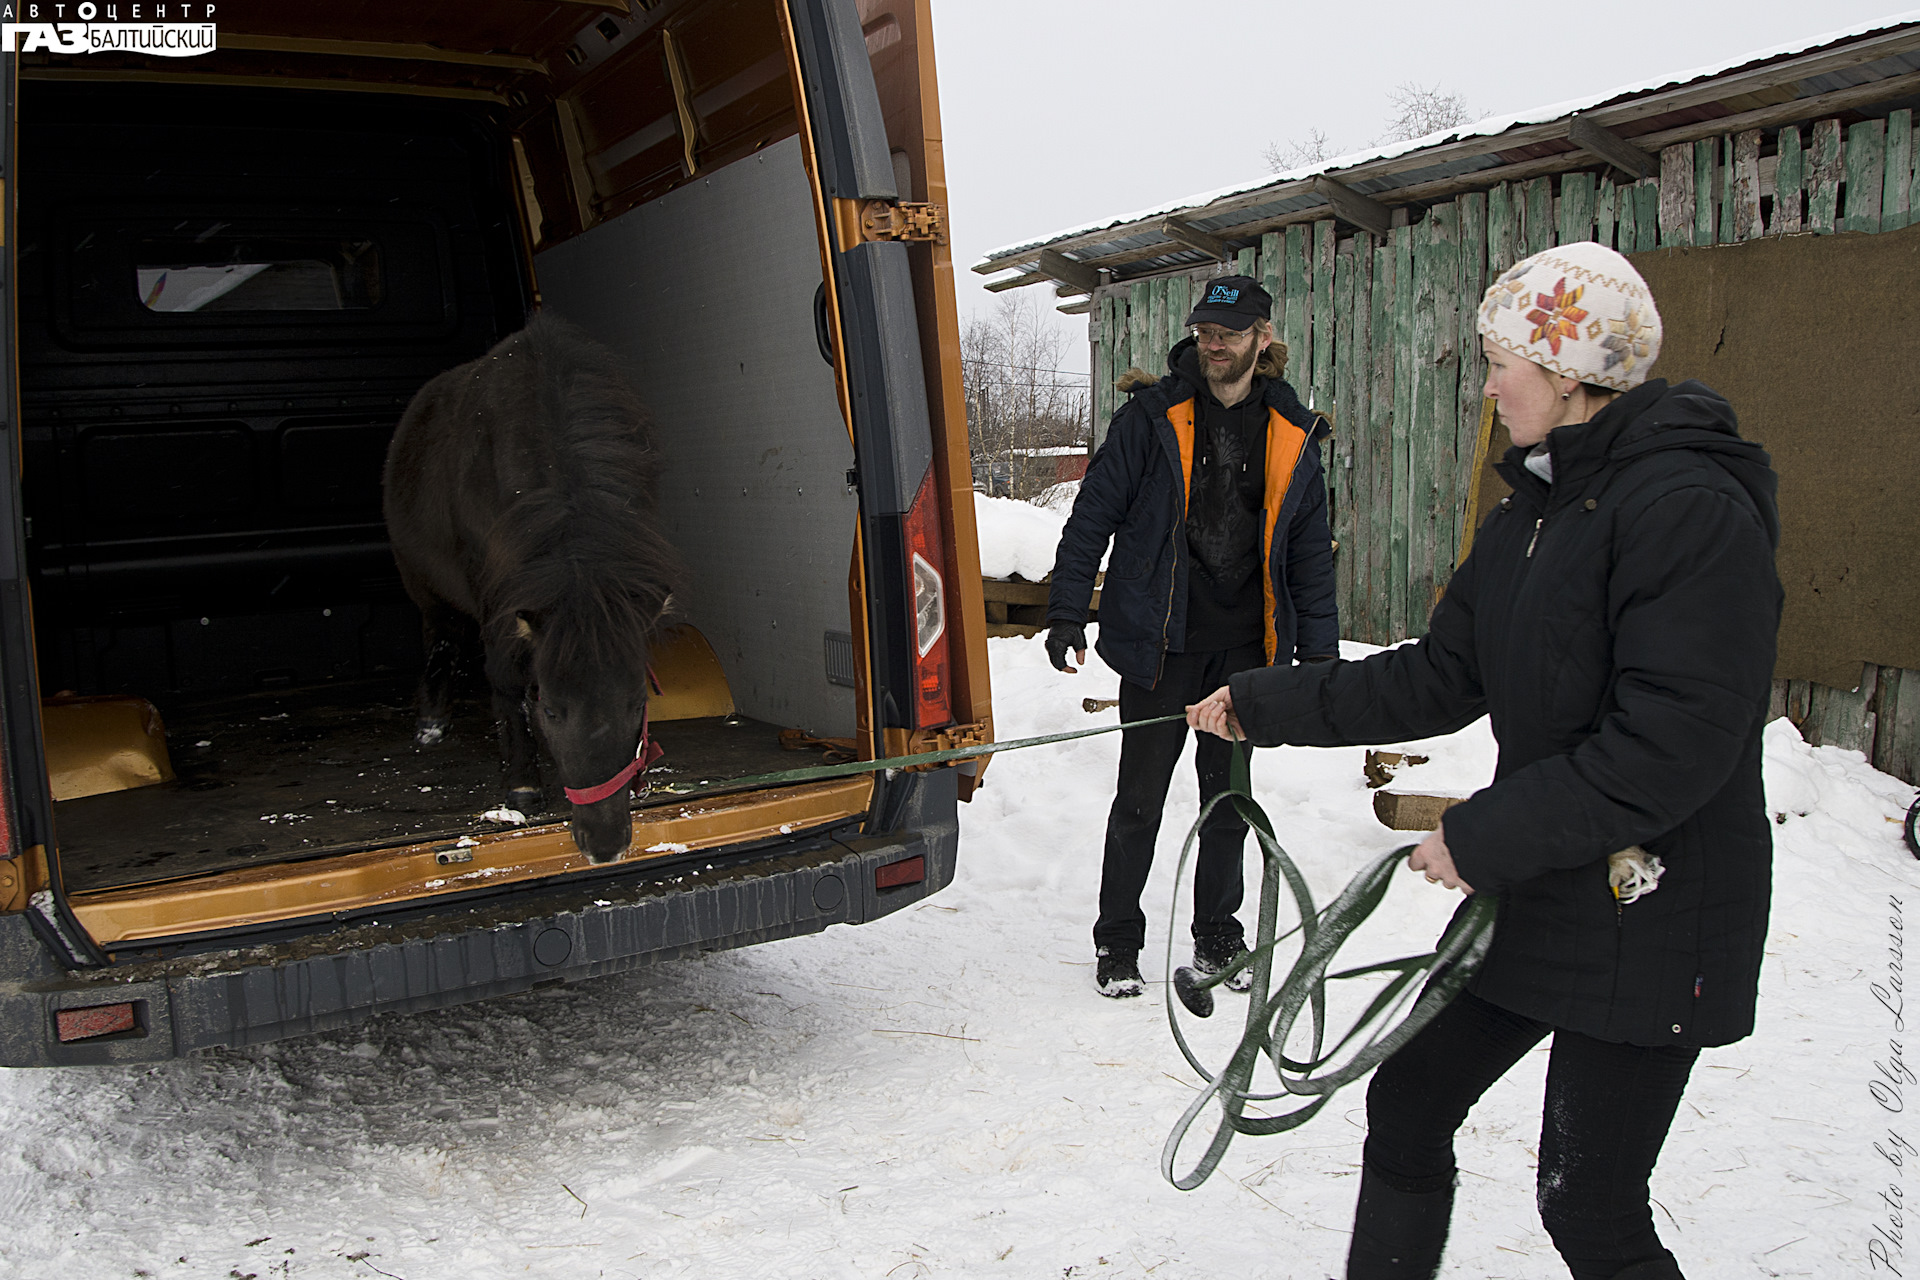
<point>1536,536</point>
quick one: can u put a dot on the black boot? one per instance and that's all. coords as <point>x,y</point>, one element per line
<point>1397,1235</point>
<point>1661,1268</point>
<point>1117,972</point>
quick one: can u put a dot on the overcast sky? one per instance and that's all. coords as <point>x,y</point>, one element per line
<point>1059,112</point>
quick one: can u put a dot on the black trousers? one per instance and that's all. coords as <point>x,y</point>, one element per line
<point>1147,758</point>
<point>1608,1108</point>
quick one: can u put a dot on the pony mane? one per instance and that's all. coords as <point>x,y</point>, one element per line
<point>583,555</point>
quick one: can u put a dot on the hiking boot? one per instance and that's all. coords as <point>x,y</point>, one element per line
<point>1118,973</point>
<point>1213,953</point>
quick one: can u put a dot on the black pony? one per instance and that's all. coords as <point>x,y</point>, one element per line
<point>520,498</point>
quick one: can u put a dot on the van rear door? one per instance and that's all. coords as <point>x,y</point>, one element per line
<point>26,802</point>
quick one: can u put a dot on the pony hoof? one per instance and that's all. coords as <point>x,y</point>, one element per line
<point>602,859</point>
<point>525,799</point>
<point>428,732</point>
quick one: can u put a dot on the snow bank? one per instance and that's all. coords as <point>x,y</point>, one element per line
<point>1016,537</point>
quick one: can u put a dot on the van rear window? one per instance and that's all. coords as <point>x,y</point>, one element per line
<point>258,275</point>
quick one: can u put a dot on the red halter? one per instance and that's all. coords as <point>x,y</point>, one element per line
<point>643,758</point>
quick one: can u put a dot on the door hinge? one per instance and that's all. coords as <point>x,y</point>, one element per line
<point>880,220</point>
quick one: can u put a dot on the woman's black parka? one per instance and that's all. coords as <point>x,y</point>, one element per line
<point>1618,625</point>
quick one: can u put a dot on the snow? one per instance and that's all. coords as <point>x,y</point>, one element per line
<point>941,1093</point>
<point>512,817</point>
<point>1016,537</point>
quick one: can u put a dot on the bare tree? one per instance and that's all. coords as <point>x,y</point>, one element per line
<point>1417,111</point>
<point>1420,110</point>
<point>1315,147</point>
<point>1019,400</point>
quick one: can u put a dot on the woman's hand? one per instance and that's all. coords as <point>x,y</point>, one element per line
<point>1430,855</point>
<point>1214,714</point>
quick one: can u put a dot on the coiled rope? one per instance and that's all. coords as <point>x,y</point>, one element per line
<point>1270,1018</point>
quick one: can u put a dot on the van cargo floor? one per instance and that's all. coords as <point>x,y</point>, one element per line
<point>298,773</point>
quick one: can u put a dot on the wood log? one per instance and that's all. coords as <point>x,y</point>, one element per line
<point>1076,275</point>
<point>1194,238</point>
<point>1589,135</point>
<point>1405,811</point>
<point>1362,211</point>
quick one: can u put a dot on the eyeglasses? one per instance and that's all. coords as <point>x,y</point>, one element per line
<point>1213,335</point>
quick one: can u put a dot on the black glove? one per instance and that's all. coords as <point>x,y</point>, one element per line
<point>1064,638</point>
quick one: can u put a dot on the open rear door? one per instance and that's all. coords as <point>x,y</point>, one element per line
<point>874,149</point>
<point>29,878</point>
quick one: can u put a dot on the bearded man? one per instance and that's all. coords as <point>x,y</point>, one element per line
<point>1210,489</point>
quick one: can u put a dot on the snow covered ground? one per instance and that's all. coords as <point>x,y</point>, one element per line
<point>943,1093</point>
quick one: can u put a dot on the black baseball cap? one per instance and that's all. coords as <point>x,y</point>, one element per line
<point>1232,302</point>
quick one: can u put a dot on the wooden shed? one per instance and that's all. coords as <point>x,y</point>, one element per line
<point>1735,187</point>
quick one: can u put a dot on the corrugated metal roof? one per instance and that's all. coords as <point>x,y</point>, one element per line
<point>1460,153</point>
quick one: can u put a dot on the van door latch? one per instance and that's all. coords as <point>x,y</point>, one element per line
<point>880,220</point>
<point>947,739</point>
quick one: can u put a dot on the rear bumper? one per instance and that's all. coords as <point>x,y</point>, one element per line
<point>564,935</point>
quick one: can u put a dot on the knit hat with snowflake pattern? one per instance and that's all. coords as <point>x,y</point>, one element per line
<point>1579,310</point>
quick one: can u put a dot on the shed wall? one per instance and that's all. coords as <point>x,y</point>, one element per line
<point>1380,331</point>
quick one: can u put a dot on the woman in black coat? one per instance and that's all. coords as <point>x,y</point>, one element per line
<point>1616,620</point>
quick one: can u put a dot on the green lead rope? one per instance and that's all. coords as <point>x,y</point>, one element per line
<point>1271,1018</point>
<point>814,773</point>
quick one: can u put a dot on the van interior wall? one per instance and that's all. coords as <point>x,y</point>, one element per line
<point>708,293</point>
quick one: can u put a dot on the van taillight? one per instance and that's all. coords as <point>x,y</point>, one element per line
<point>93,1022</point>
<point>906,871</point>
<point>927,589</point>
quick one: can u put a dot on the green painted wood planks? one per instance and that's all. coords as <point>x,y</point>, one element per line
<point>1320,392</point>
<point>1356,419</point>
<point>1576,208</point>
<point>1896,190</point>
<point>1139,299</point>
<point>1383,347</point>
<point>1342,472</point>
<point>1789,183</point>
<point>1646,216</point>
<point>1824,175</point>
<point>1503,241</point>
<point>1676,194</point>
<point>1298,313</point>
<point>1472,366</point>
<point>1400,429</point>
<point>1865,169</point>
<point>1425,353</point>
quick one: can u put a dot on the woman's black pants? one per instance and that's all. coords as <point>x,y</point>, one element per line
<point>1608,1108</point>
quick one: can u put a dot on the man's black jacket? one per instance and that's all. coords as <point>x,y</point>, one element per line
<point>1618,625</point>
<point>1135,492</point>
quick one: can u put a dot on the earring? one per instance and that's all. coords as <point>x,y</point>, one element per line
<point>1566,395</point>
